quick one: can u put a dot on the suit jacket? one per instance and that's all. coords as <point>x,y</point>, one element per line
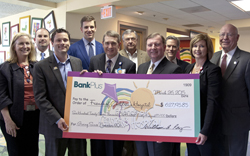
<point>50,93</point>
<point>182,64</point>
<point>142,56</point>
<point>98,62</point>
<point>210,84</point>
<point>78,50</point>
<point>235,99</point>
<point>12,90</point>
<point>164,67</point>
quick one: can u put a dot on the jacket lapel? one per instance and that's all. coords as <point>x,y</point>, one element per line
<point>84,53</point>
<point>232,64</point>
<point>55,69</point>
<point>102,62</point>
<point>160,66</point>
<point>116,66</point>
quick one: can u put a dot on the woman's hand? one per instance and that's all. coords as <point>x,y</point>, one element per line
<point>11,128</point>
<point>201,139</point>
<point>9,123</point>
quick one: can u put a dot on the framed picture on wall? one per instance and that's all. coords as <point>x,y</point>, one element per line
<point>13,31</point>
<point>2,56</point>
<point>36,23</point>
<point>24,24</point>
<point>50,22</point>
<point>6,34</point>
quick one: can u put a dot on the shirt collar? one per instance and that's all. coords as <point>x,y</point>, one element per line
<point>87,42</point>
<point>45,52</point>
<point>157,62</point>
<point>112,59</point>
<point>230,53</point>
<point>57,60</point>
<point>129,54</point>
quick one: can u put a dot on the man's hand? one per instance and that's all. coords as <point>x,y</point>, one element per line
<point>83,71</point>
<point>98,71</point>
<point>62,125</point>
<point>201,139</point>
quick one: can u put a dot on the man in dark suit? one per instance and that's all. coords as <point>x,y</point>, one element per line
<point>110,62</point>
<point>172,47</point>
<point>159,64</point>
<point>42,40</point>
<point>87,47</point>
<point>50,78</point>
<point>130,51</point>
<point>235,97</point>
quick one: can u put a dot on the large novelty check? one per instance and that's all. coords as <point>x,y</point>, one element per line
<point>157,107</point>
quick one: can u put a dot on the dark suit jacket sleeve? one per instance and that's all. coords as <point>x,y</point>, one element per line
<point>40,93</point>
<point>132,69</point>
<point>4,95</point>
<point>213,79</point>
<point>247,79</point>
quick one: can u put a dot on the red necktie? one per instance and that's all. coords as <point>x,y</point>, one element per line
<point>223,64</point>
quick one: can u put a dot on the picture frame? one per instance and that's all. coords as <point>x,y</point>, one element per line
<point>24,24</point>
<point>50,22</point>
<point>36,23</point>
<point>2,56</point>
<point>6,34</point>
<point>13,31</point>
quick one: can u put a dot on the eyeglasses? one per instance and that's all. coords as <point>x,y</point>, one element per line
<point>230,35</point>
<point>128,39</point>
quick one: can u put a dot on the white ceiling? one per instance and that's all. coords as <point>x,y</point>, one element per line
<point>216,14</point>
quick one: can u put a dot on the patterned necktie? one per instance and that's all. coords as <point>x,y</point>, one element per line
<point>108,69</point>
<point>223,65</point>
<point>42,56</point>
<point>91,51</point>
<point>151,69</point>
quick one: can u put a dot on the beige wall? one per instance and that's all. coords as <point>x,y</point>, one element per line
<point>73,24</point>
<point>60,17</point>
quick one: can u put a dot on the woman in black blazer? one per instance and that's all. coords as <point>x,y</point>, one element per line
<point>19,119</point>
<point>201,49</point>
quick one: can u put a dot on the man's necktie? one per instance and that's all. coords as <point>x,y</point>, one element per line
<point>91,51</point>
<point>108,69</point>
<point>223,64</point>
<point>42,56</point>
<point>151,69</point>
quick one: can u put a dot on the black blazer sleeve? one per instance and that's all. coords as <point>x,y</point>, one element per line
<point>210,92</point>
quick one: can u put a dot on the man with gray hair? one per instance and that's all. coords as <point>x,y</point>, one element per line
<point>172,47</point>
<point>130,50</point>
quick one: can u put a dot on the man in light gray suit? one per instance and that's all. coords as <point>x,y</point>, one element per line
<point>50,79</point>
<point>130,40</point>
<point>235,97</point>
<point>42,40</point>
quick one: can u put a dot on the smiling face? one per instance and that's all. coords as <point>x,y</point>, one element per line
<point>88,29</point>
<point>110,46</point>
<point>61,43</point>
<point>228,37</point>
<point>23,46</point>
<point>199,50</point>
<point>171,49</point>
<point>155,48</point>
<point>42,39</point>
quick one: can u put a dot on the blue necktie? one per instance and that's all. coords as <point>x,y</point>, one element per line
<point>42,56</point>
<point>108,69</point>
<point>91,51</point>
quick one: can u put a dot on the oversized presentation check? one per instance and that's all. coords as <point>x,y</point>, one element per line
<point>156,107</point>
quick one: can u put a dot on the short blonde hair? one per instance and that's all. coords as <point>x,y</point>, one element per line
<point>209,44</point>
<point>13,56</point>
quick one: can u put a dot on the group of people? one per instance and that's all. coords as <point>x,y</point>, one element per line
<point>33,87</point>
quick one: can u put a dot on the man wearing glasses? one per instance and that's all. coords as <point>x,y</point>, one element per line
<point>130,50</point>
